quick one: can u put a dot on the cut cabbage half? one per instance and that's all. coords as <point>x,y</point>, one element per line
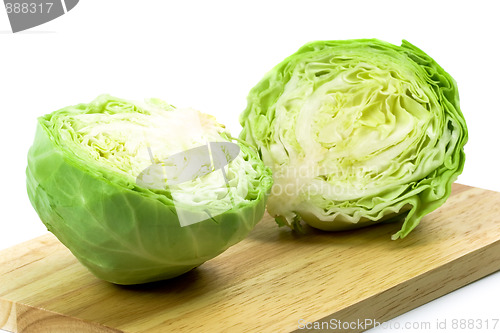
<point>84,180</point>
<point>356,132</point>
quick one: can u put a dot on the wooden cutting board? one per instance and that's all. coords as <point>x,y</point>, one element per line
<point>271,282</point>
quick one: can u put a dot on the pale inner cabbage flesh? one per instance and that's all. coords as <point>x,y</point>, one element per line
<point>118,142</point>
<point>354,129</point>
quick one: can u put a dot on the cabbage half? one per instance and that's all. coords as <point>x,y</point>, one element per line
<point>82,180</point>
<point>357,132</point>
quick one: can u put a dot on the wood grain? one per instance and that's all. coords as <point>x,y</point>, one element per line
<point>7,315</point>
<point>266,283</point>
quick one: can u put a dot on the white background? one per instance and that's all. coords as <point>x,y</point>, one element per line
<point>208,54</point>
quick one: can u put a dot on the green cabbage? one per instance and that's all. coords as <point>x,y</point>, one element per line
<point>357,132</point>
<point>82,179</point>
